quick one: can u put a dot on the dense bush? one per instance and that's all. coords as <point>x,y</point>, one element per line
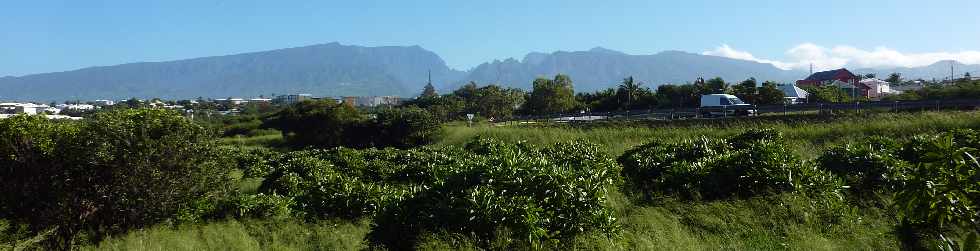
<point>254,162</point>
<point>752,163</point>
<point>113,172</point>
<point>259,206</point>
<point>326,124</point>
<point>941,192</point>
<point>868,166</point>
<point>538,196</point>
<point>935,177</point>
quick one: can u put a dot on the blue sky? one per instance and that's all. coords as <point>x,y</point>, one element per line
<point>45,36</point>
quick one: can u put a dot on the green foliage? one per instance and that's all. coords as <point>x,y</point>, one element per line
<point>826,94</point>
<point>260,206</point>
<point>445,108</point>
<point>872,165</point>
<point>119,170</point>
<point>323,123</point>
<point>406,127</point>
<point>677,96</point>
<point>942,191</point>
<point>551,96</point>
<point>254,162</point>
<point>538,195</point>
<point>629,95</point>
<point>752,163</point>
<point>769,94</point>
<point>326,124</point>
<point>534,197</point>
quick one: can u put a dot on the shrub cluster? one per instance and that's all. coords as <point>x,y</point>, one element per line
<point>113,172</point>
<point>935,177</point>
<point>752,163</point>
<point>489,189</point>
<point>326,124</point>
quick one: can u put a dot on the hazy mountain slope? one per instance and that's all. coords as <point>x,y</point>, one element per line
<point>327,69</point>
<point>938,70</point>
<point>602,68</point>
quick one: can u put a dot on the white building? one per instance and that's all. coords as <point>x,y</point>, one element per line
<point>877,87</point>
<point>793,94</point>
<point>104,102</point>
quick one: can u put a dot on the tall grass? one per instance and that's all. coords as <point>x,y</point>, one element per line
<point>243,235</point>
<point>808,136</point>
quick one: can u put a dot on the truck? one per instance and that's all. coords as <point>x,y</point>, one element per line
<point>723,105</point>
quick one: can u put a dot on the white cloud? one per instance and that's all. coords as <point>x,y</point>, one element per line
<point>726,51</point>
<point>822,58</point>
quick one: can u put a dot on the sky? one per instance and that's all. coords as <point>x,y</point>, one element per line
<point>47,36</point>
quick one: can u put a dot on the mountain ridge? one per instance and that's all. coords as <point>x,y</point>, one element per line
<point>334,69</point>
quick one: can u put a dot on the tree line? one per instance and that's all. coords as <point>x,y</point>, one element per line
<point>557,95</point>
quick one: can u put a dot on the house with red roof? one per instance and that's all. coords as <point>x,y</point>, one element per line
<point>841,77</point>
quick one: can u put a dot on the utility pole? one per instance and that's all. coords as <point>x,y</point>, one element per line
<point>811,68</point>
<point>951,72</point>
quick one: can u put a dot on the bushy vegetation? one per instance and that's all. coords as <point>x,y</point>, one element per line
<point>533,196</point>
<point>325,124</point>
<point>935,177</point>
<point>152,179</point>
<point>117,171</point>
<point>749,164</point>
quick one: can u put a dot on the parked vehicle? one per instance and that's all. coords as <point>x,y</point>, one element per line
<point>720,105</point>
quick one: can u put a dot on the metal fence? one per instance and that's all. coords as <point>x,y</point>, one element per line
<point>821,108</point>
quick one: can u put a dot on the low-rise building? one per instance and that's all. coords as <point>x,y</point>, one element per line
<point>877,88</point>
<point>793,94</point>
<point>291,98</point>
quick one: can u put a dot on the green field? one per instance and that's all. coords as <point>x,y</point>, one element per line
<point>776,222</point>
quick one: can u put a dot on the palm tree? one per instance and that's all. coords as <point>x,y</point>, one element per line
<point>631,87</point>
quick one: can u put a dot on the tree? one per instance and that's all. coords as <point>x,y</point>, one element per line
<point>894,78</point>
<point>631,89</point>
<point>746,90</point>
<point>493,101</point>
<point>429,91</point>
<point>551,96</point>
<point>443,108</point>
<point>714,85</point>
<point>769,94</point>
<point>467,91</point>
<point>322,123</point>
<point>677,96</point>
<point>601,100</point>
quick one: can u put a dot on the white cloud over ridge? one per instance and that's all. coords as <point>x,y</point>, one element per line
<point>823,58</point>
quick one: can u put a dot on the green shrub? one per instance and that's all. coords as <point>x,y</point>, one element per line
<point>941,194</point>
<point>113,172</point>
<point>326,124</point>
<point>261,206</point>
<point>540,197</point>
<point>752,163</point>
<point>254,162</point>
<point>868,166</point>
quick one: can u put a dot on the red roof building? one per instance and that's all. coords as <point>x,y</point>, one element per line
<point>840,77</point>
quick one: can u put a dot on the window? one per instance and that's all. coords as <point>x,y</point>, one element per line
<point>724,101</point>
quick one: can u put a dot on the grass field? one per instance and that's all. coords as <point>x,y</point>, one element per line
<point>778,222</point>
<point>809,134</point>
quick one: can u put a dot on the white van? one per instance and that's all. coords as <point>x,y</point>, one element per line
<point>725,105</point>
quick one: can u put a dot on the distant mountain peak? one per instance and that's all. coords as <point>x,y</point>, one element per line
<point>947,62</point>
<point>599,49</point>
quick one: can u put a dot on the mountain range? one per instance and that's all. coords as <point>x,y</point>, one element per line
<point>939,70</point>
<point>334,69</point>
